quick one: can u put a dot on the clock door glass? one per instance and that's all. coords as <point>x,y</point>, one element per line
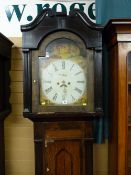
<point>63,75</point>
<point>63,82</point>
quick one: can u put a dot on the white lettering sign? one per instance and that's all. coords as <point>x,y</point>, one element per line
<point>14,13</point>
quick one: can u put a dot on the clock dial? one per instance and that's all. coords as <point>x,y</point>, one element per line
<point>63,82</point>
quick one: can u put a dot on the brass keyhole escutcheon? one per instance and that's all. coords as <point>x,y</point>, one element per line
<point>47,169</point>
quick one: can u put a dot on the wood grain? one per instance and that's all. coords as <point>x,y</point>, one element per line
<point>115,37</point>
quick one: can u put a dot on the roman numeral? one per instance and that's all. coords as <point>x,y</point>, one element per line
<point>78,90</point>
<point>78,73</point>
<point>80,81</point>
<point>72,97</point>
<point>55,97</point>
<point>63,64</point>
<point>71,67</point>
<point>48,90</point>
<point>55,67</point>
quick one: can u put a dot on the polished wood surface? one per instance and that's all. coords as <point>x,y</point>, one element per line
<point>117,39</point>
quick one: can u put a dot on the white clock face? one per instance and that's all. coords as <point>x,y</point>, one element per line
<point>63,82</point>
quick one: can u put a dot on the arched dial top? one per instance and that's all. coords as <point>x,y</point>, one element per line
<point>63,75</point>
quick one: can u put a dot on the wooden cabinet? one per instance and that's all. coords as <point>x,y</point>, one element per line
<point>5,108</point>
<point>117,43</point>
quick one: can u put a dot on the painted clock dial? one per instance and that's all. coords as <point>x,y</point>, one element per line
<point>63,82</point>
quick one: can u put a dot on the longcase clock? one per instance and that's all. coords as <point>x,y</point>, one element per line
<point>5,107</point>
<point>62,90</point>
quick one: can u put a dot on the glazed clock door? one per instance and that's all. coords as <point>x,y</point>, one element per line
<point>62,82</point>
<point>63,75</point>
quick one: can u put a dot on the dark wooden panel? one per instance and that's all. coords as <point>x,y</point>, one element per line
<point>64,146</point>
<point>76,22</point>
<point>5,46</point>
<point>64,156</point>
<point>5,107</point>
<point>2,151</point>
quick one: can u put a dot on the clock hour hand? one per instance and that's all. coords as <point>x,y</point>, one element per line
<point>63,85</point>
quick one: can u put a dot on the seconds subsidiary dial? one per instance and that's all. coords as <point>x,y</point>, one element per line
<point>63,82</point>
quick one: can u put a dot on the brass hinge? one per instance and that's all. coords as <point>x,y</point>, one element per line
<point>48,141</point>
